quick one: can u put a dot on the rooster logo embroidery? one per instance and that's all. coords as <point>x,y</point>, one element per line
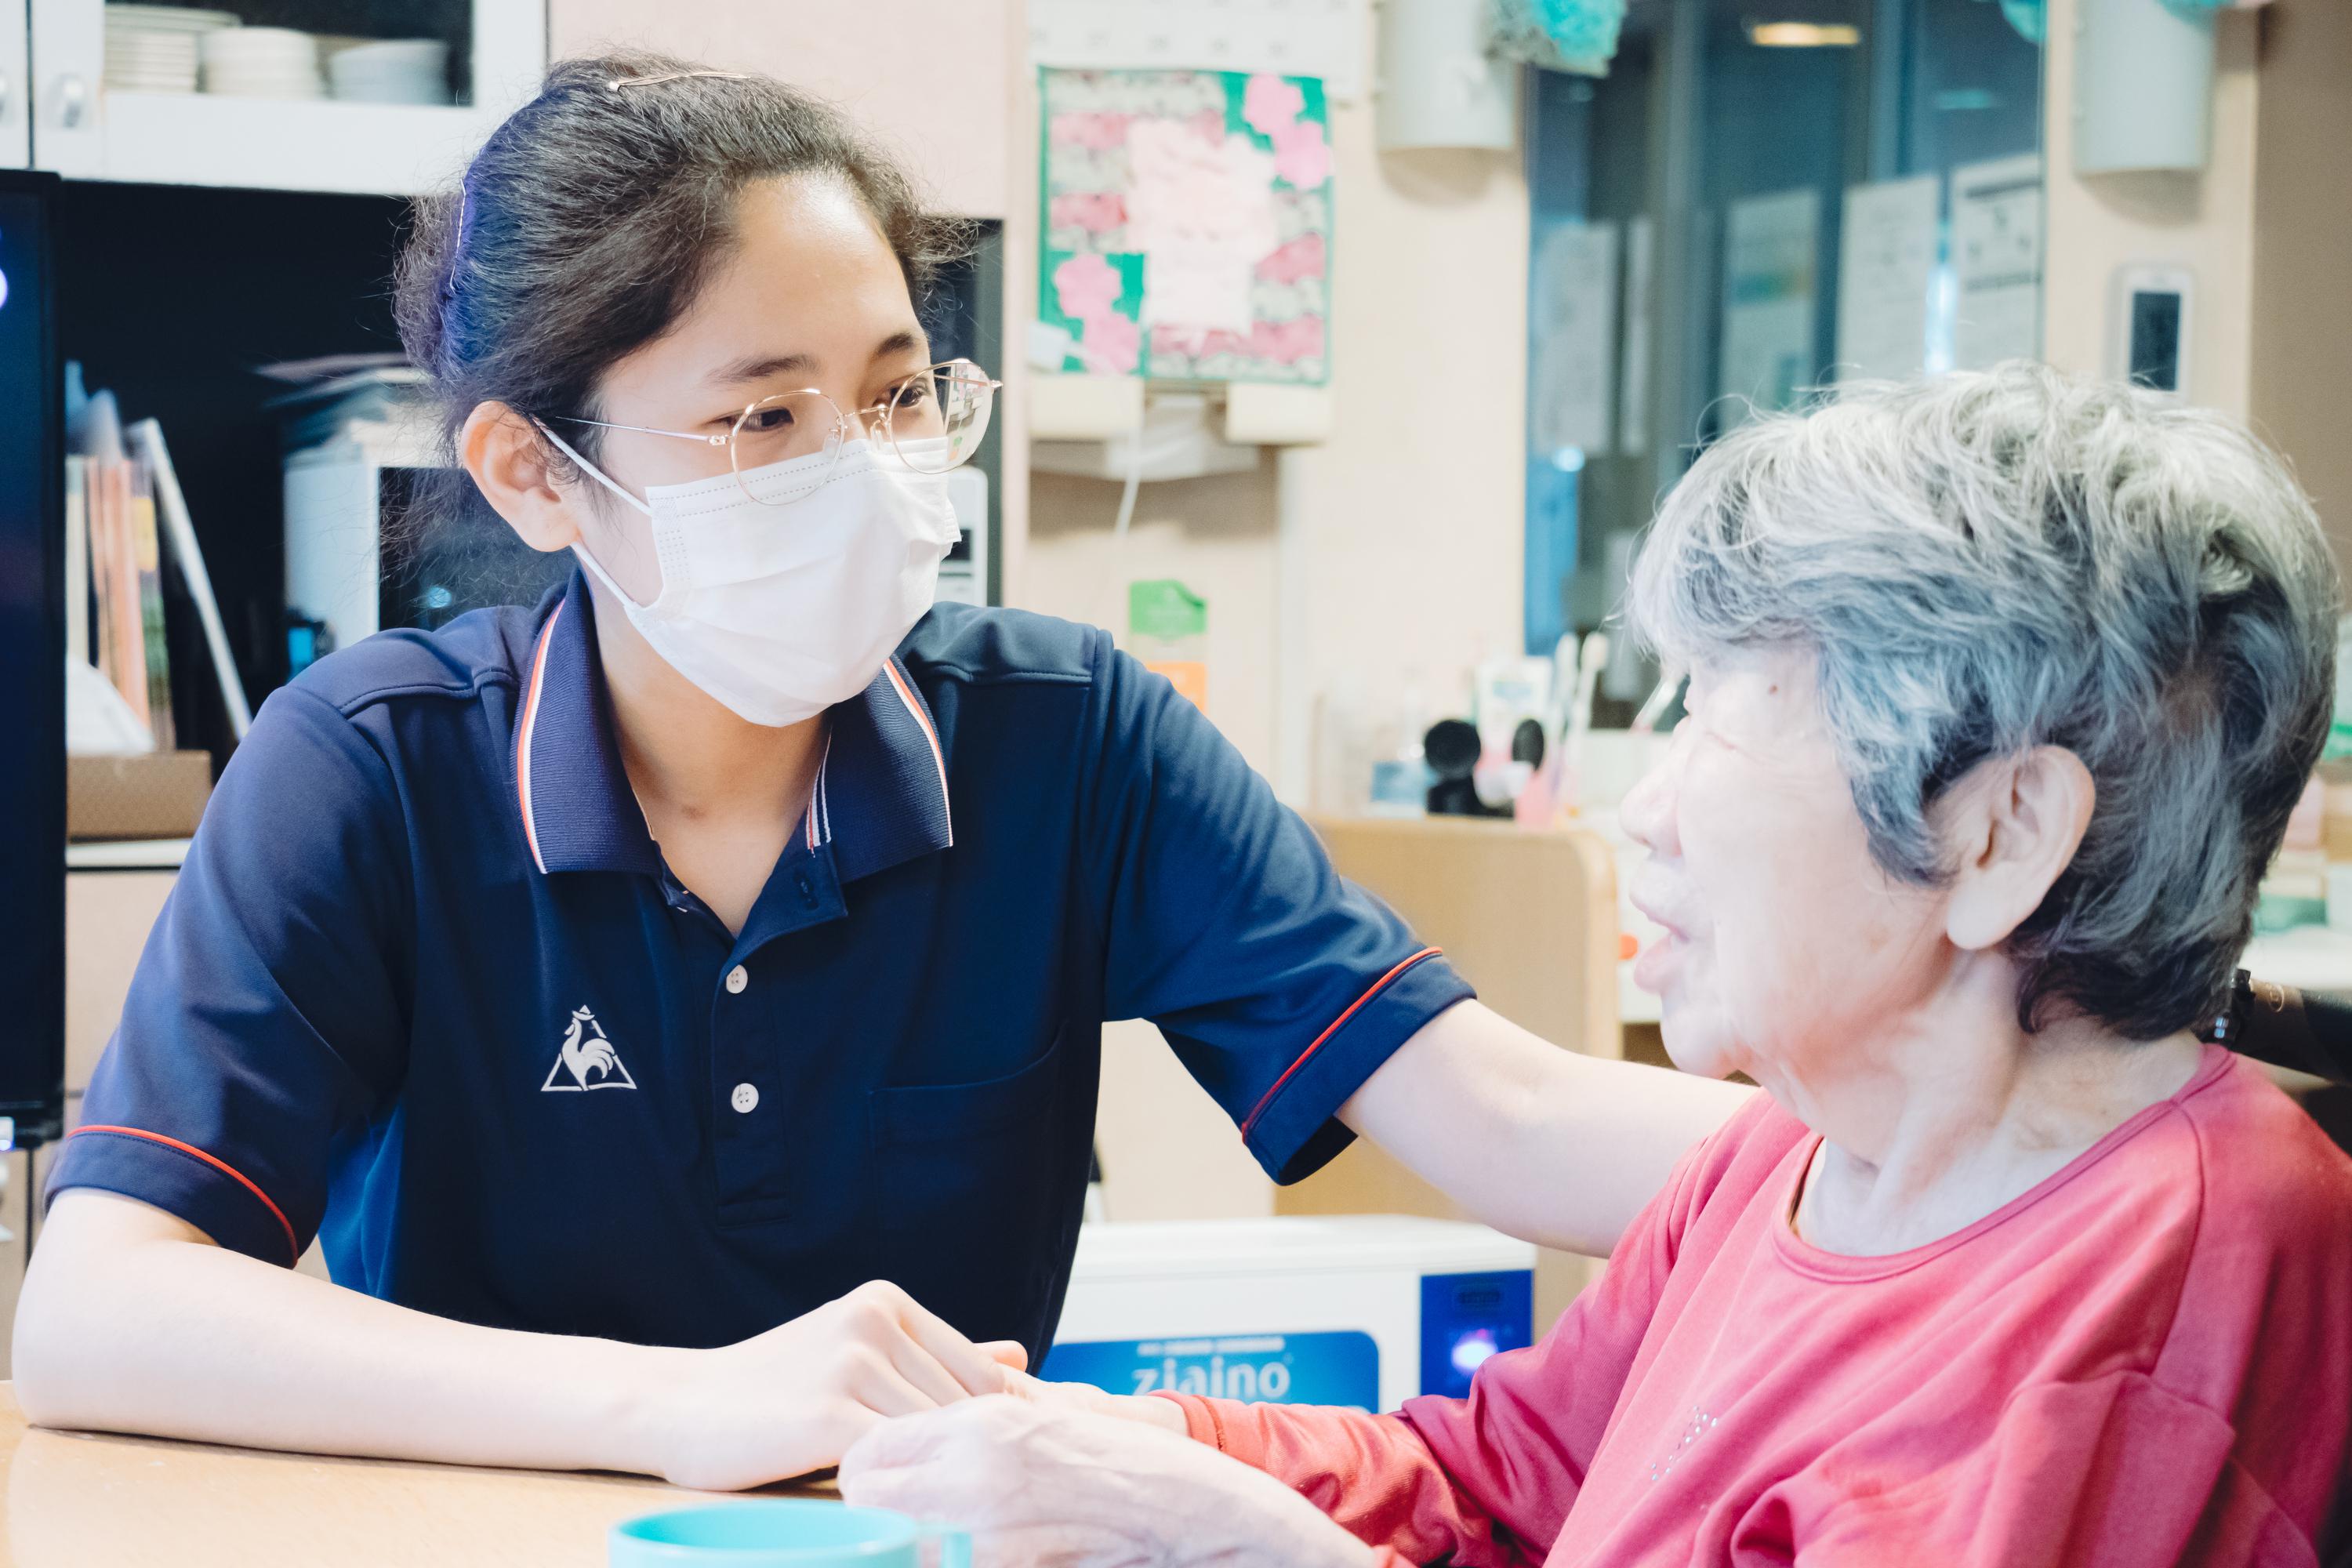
<point>588,1061</point>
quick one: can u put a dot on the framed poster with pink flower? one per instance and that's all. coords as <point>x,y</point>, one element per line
<point>1187,225</point>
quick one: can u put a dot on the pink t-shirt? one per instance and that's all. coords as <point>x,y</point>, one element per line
<point>2146,1359</point>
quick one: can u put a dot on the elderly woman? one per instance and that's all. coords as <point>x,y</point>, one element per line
<point>2002,688</point>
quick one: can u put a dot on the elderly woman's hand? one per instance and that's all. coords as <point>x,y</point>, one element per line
<point>1085,1399</point>
<point>1046,1488</point>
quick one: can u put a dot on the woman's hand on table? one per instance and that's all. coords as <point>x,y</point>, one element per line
<point>793,1400</point>
<point>1042,1485</point>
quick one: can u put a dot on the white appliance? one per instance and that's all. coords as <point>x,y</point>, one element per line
<point>963,575</point>
<point>335,500</point>
<point>1357,1309</point>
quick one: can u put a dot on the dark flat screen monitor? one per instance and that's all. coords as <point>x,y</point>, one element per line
<point>32,666</point>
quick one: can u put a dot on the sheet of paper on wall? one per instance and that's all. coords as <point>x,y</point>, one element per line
<point>1886,278</point>
<point>1771,258</point>
<point>1575,327</point>
<point>1201,209</point>
<point>1997,258</point>
<point>1186,226</point>
<point>1330,39</point>
<point>1633,378</point>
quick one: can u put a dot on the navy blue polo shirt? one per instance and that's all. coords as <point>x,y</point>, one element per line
<point>425,989</point>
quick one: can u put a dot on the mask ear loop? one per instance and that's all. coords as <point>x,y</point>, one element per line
<point>591,469</point>
<point>580,547</point>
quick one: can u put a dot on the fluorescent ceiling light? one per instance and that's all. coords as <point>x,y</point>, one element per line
<point>1803,35</point>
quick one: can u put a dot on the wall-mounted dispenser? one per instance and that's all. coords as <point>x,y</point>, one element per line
<point>1438,86</point>
<point>2143,87</point>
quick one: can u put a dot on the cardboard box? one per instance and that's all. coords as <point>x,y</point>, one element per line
<point>158,794</point>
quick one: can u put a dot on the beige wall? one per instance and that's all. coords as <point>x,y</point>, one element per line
<point>2204,222</point>
<point>1412,527</point>
<point>2303,250</point>
<point>940,53</point>
<point>1412,512</point>
<point>1414,509</point>
<point>2266,229</point>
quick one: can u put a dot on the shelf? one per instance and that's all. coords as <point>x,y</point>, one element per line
<point>260,143</point>
<point>2309,958</point>
<point>127,855</point>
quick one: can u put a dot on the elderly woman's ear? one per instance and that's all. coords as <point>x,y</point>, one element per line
<point>2015,823</point>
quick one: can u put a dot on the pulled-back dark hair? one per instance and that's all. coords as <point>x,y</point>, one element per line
<point>591,219</point>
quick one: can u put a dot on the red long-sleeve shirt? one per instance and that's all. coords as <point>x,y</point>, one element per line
<point>2146,1359</point>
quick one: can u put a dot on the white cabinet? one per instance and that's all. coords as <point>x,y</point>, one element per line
<point>83,129</point>
<point>15,124</point>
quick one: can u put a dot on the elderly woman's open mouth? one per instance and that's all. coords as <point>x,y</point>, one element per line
<point>1653,965</point>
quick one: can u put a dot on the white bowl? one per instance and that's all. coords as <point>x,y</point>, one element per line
<point>149,62</point>
<point>429,55</point>
<point>257,45</point>
<point>265,89</point>
<point>430,93</point>
<point>401,70</point>
<point>170,17</point>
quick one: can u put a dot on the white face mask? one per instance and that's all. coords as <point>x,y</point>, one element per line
<point>780,612</point>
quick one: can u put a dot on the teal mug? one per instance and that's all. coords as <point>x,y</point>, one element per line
<point>783,1532</point>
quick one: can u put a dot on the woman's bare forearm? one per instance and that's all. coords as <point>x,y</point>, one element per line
<point>131,1320</point>
<point>1539,1142</point>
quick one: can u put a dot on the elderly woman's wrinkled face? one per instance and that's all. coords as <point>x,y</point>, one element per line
<point>1787,945</point>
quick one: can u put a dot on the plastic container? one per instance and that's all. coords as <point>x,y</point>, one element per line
<point>785,1532</point>
<point>1355,1310</point>
<point>1168,629</point>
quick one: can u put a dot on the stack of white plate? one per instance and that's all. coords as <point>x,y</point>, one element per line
<point>262,62</point>
<point>154,48</point>
<point>398,70</point>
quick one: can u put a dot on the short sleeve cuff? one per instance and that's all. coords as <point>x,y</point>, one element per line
<point>1200,1420</point>
<point>1294,1131</point>
<point>182,1180</point>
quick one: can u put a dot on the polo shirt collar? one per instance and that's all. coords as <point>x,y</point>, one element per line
<point>881,796</point>
<point>882,790</point>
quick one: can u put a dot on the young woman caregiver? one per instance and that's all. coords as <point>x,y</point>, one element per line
<point>621,989</point>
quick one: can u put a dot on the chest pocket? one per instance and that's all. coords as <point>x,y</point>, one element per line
<point>977,1191</point>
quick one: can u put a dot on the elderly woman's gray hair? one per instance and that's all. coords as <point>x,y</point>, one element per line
<point>1986,563</point>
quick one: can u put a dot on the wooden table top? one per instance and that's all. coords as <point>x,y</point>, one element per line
<point>78,1500</point>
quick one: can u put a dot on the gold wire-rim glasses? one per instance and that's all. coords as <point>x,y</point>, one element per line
<point>879,416</point>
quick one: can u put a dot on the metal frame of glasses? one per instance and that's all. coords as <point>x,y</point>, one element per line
<point>932,421</point>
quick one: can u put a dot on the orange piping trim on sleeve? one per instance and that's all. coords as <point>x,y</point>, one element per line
<point>1250,1122</point>
<point>292,1246</point>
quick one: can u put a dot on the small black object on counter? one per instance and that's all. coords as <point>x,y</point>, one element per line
<point>1451,748</point>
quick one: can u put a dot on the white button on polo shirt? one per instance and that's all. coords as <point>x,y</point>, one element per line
<point>737,978</point>
<point>746,1098</point>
